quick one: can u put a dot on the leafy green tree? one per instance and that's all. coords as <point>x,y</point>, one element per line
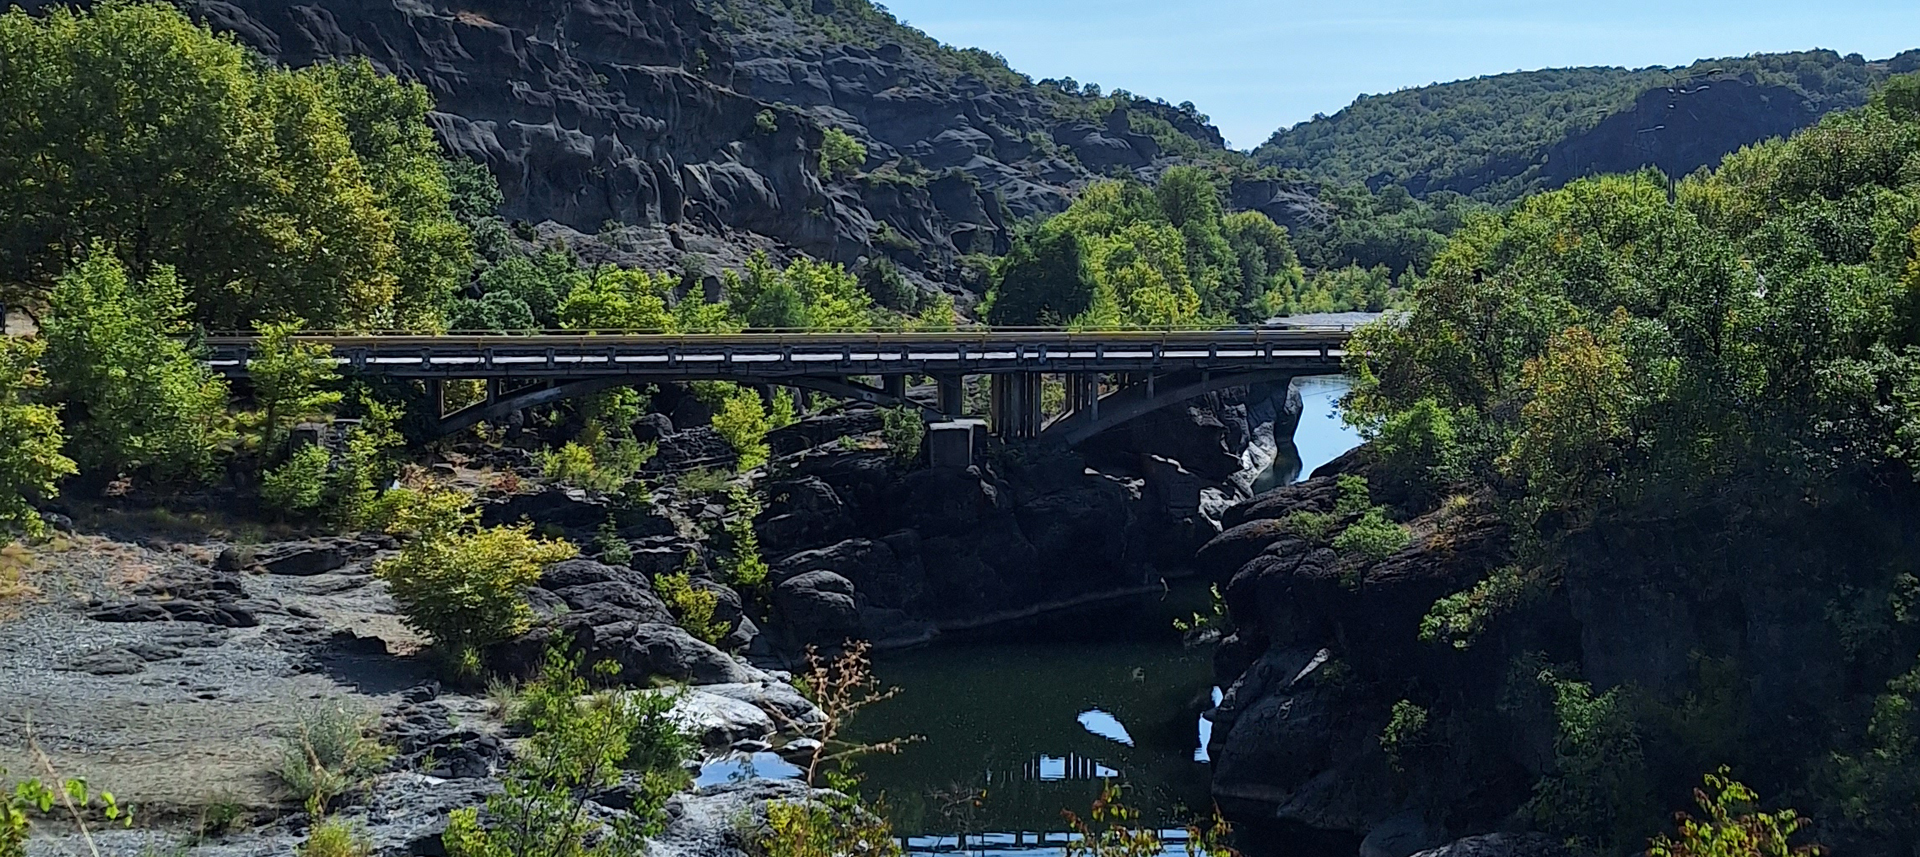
<point>462,586</point>
<point>273,193</point>
<point>743,422</point>
<point>616,299</point>
<point>136,396</point>
<point>887,287</point>
<point>805,295</point>
<point>1732,826</point>
<point>840,154</point>
<point>1043,282</point>
<point>540,282</point>
<point>493,311</point>
<point>290,380</point>
<point>31,463</point>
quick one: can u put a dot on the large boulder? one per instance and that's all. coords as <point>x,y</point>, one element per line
<point>817,607</point>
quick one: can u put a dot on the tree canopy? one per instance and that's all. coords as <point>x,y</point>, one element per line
<point>272,194</point>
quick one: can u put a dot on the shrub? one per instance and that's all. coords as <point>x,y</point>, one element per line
<point>1215,619</point>
<point>657,744</point>
<point>18,803</point>
<point>766,122</point>
<point>693,605</point>
<point>299,484</point>
<point>703,482</point>
<point>329,752</point>
<point>1598,793</point>
<point>614,549</point>
<point>1406,727</point>
<point>335,838</point>
<point>31,463</point>
<point>290,380</point>
<point>841,688</point>
<point>1312,526</point>
<point>840,154</point>
<point>574,750</point>
<point>833,826</point>
<point>462,587</point>
<point>1114,829</point>
<point>1355,498</point>
<point>1459,618</point>
<point>1732,827</point>
<point>744,424</point>
<point>745,566</point>
<point>903,431</point>
<point>783,413</point>
<point>608,468</point>
<point>1372,537</point>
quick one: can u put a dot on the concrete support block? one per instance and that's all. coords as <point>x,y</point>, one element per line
<point>951,443</point>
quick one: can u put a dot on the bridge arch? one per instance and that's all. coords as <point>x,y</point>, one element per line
<point>1138,400</point>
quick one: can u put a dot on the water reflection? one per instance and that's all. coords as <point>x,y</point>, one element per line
<point>1322,435</point>
<point>1105,725</point>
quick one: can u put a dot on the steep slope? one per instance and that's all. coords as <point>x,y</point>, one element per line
<point>1501,136</point>
<point>701,121</point>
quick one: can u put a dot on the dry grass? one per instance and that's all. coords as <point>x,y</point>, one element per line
<point>16,561</point>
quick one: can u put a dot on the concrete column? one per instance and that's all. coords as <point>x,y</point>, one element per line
<point>895,386</point>
<point>437,397</point>
<point>953,395</point>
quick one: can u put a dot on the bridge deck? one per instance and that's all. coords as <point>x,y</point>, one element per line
<point>770,356</point>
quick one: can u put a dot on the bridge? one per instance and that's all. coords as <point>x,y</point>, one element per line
<point>1109,377</point>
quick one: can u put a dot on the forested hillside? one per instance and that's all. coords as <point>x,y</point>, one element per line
<point>1497,137</point>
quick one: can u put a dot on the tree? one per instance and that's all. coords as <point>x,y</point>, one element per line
<point>744,423</point>
<point>290,379</point>
<point>462,586</point>
<point>136,396</point>
<point>1732,827</point>
<point>840,154</point>
<point>31,463</point>
<point>1044,281</point>
<point>806,295</point>
<point>616,299</point>
<point>274,194</point>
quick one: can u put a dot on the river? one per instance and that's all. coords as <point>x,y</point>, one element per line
<point>1030,721</point>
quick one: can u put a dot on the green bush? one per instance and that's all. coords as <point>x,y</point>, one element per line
<point>573,750</point>
<point>1406,727</point>
<point>743,423</point>
<point>463,587</point>
<point>335,838</point>
<point>606,467</point>
<point>840,154</point>
<point>744,566</point>
<point>703,482</point>
<point>614,549</point>
<point>31,464</point>
<point>1312,526</point>
<point>19,803</point>
<point>298,485</point>
<point>1733,826</point>
<point>330,752</point>
<point>904,431</point>
<point>766,122</point>
<point>1459,618</point>
<point>1372,537</point>
<point>692,605</point>
<point>290,383</point>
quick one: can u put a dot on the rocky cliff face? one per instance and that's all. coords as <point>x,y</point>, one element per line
<point>654,113</point>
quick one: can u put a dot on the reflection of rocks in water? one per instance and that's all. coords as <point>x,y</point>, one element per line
<point>1053,769</point>
<point>1284,470</point>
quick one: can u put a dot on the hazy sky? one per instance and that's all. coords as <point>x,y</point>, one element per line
<point>1258,65</point>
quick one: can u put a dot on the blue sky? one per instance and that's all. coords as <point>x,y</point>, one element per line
<point>1259,65</point>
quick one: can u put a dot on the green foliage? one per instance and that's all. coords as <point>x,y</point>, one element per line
<point>840,154</point>
<point>331,751</point>
<point>1405,730</point>
<point>614,549</point>
<point>31,463</point>
<point>1417,447</point>
<point>1356,497</point>
<point>576,748</point>
<point>335,838</point>
<point>540,282</point>
<point>831,826</point>
<point>461,586</point>
<point>692,605</point>
<point>1114,829</point>
<point>473,194</point>
<point>744,566</point>
<point>1499,127</point>
<point>805,295</point>
<point>1315,527</point>
<point>297,485</point>
<point>1459,618</point>
<point>136,396</point>
<point>1875,785</point>
<point>1733,827</point>
<point>903,430</point>
<point>703,482</point>
<point>1598,795</point>
<point>937,315</point>
<point>1216,619</point>
<point>1125,255</point>
<point>766,122</point>
<point>889,289</point>
<point>18,804</point>
<point>782,413</point>
<point>616,299</point>
<point>606,467</point>
<point>743,422</point>
<point>290,380</point>
<point>1373,537</point>
<point>315,194</point>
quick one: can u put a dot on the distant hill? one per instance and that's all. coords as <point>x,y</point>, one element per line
<point>1496,138</point>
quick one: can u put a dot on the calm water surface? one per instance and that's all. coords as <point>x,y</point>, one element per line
<point>1033,721</point>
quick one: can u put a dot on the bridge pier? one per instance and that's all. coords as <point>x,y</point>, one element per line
<point>1017,410</point>
<point>953,395</point>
